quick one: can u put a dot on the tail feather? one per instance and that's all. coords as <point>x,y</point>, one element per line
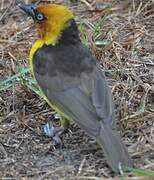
<point>114,149</point>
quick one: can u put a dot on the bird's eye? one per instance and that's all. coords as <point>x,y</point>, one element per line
<point>40,17</point>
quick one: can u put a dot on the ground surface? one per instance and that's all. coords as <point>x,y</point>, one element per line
<point>121,35</point>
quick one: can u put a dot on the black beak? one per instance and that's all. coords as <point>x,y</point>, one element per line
<point>29,9</point>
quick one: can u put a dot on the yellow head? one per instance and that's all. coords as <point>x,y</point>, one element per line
<point>51,20</point>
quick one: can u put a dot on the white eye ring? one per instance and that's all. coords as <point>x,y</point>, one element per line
<point>40,16</point>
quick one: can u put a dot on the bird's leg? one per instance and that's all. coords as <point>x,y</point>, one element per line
<point>65,123</point>
<point>55,132</point>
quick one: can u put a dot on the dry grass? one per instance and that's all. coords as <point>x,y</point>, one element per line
<point>124,32</point>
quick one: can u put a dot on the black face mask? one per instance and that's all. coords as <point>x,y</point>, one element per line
<point>30,9</point>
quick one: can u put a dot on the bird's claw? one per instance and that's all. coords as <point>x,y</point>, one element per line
<point>53,132</point>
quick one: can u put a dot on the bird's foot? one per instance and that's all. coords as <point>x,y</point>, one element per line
<point>54,132</point>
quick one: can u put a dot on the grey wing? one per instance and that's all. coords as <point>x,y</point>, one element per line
<point>87,100</point>
<point>102,97</point>
<point>72,96</point>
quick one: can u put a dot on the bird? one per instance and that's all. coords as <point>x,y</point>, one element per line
<point>72,81</point>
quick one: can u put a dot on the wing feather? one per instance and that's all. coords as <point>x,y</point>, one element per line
<point>83,95</point>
